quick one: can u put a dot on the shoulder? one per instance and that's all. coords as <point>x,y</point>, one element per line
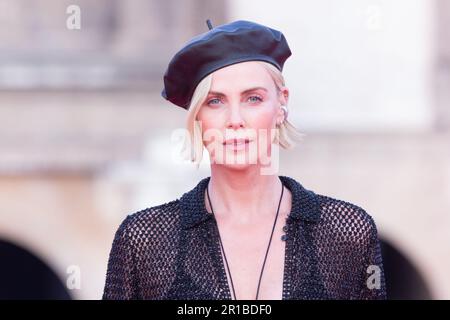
<point>161,213</point>
<point>150,223</point>
<point>346,220</point>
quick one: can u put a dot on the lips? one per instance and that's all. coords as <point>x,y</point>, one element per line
<point>235,141</point>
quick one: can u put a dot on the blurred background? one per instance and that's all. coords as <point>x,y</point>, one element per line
<point>85,137</point>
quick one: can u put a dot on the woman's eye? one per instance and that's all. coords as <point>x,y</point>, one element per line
<point>254,99</point>
<point>213,101</point>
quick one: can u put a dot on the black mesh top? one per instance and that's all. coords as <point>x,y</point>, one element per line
<point>172,251</point>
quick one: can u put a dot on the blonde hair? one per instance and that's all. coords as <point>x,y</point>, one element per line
<point>192,150</point>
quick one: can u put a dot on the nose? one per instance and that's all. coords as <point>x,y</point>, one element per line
<point>235,119</point>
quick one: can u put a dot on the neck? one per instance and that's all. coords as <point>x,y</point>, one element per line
<point>243,195</point>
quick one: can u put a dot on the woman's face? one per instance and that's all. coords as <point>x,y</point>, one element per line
<point>240,113</point>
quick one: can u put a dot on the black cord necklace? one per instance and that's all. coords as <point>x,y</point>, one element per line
<point>267,251</point>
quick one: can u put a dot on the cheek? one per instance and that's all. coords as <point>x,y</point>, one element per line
<point>264,123</point>
<point>206,120</point>
<point>263,120</point>
<point>211,127</point>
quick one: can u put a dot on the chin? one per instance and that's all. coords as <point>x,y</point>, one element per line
<point>238,167</point>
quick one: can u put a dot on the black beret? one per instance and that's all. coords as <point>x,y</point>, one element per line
<point>221,46</point>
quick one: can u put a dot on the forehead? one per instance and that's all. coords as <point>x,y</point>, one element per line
<point>241,75</point>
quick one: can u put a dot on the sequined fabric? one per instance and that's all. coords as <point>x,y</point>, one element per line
<point>172,251</point>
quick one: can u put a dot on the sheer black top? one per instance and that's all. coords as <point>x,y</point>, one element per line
<point>172,251</point>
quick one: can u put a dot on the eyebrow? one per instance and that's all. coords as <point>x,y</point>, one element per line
<point>216,93</point>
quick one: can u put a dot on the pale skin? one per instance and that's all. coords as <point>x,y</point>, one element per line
<point>245,202</point>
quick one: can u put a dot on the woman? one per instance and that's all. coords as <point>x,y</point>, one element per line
<point>244,232</point>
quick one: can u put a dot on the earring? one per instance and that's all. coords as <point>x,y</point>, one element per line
<point>286,112</point>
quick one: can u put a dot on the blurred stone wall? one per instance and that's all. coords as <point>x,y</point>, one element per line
<point>120,43</point>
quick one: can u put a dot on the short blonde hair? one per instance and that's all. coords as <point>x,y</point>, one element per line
<point>192,150</point>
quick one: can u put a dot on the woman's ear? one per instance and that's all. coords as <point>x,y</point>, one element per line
<point>283,96</point>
